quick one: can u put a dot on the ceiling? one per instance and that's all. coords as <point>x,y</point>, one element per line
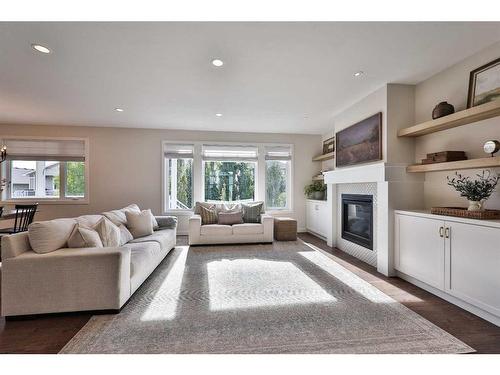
<point>277,77</point>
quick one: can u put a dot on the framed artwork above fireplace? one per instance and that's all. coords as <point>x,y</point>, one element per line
<point>360,143</point>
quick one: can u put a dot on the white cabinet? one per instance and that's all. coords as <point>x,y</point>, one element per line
<point>317,217</point>
<point>458,257</point>
<point>420,245</point>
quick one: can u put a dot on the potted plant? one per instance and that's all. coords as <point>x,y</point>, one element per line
<point>476,191</point>
<point>316,190</point>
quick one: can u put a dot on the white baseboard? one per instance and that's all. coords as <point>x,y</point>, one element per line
<point>447,297</point>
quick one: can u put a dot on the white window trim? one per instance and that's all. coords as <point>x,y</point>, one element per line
<point>48,201</point>
<point>198,174</point>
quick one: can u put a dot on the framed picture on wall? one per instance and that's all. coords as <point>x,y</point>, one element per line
<point>484,84</point>
<point>360,143</point>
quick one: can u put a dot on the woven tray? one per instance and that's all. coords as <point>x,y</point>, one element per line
<point>463,212</point>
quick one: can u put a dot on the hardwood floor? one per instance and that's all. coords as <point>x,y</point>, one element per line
<point>49,334</point>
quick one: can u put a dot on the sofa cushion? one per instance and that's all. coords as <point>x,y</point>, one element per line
<point>248,228</point>
<point>139,223</point>
<point>230,218</point>
<point>216,230</point>
<point>47,236</point>
<point>118,217</point>
<point>108,232</point>
<point>89,220</point>
<point>252,211</point>
<point>208,216</point>
<point>82,236</point>
<point>166,238</point>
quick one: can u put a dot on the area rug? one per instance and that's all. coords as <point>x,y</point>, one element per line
<point>286,297</point>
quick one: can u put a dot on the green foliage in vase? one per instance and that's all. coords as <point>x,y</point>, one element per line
<point>474,190</point>
<point>315,186</point>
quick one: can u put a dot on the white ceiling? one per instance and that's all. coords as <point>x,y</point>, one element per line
<point>277,77</point>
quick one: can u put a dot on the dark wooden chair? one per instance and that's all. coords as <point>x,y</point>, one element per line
<point>24,217</point>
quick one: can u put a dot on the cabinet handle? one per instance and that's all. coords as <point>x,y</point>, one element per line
<point>441,231</point>
<point>447,232</point>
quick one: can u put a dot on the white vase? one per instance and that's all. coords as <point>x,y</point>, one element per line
<point>475,206</point>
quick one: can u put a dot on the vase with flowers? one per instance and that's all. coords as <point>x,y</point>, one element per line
<point>476,191</point>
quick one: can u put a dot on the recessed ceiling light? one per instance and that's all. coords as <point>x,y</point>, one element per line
<point>119,109</point>
<point>359,74</point>
<point>40,48</point>
<point>217,62</point>
<point>218,114</point>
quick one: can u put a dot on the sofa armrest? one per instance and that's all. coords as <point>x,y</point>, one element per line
<point>194,230</point>
<point>265,218</point>
<point>166,222</point>
<point>66,280</point>
<point>268,222</point>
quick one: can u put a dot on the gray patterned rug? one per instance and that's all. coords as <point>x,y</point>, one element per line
<point>289,297</point>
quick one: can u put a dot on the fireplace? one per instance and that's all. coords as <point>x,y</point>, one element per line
<point>357,219</point>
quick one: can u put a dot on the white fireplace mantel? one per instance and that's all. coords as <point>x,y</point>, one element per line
<point>376,172</point>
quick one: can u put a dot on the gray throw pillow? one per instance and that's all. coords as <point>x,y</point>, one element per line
<point>252,211</point>
<point>230,218</point>
<point>208,216</point>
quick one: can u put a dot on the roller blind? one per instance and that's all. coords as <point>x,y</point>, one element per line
<point>46,149</point>
<point>229,153</point>
<point>178,151</point>
<point>278,152</point>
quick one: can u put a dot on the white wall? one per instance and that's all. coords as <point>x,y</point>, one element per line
<point>452,85</point>
<point>125,164</point>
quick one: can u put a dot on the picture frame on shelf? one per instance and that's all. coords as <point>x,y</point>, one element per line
<point>328,145</point>
<point>484,84</point>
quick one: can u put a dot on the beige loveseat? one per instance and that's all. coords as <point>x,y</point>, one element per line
<point>224,234</point>
<point>79,279</point>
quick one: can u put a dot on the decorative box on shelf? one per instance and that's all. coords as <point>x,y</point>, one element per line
<point>444,156</point>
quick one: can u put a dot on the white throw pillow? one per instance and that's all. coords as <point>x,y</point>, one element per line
<point>125,235</point>
<point>139,223</point>
<point>108,232</point>
<point>51,235</point>
<point>84,237</point>
<point>118,217</point>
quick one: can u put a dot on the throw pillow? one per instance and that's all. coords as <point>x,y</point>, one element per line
<point>47,236</point>
<point>125,235</point>
<point>84,237</point>
<point>108,232</point>
<point>252,211</point>
<point>118,217</point>
<point>139,223</point>
<point>208,216</point>
<point>230,218</point>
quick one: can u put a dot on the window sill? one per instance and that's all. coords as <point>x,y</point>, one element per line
<point>172,212</point>
<point>45,201</point>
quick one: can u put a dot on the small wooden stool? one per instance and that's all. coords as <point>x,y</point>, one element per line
<point>285,229</point>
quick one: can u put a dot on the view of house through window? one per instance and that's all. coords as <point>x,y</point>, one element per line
<point>229,181</point>
<point>34,179</point>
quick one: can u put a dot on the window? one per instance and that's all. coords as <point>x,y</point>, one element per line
<point>229,173</point>
<point>179,165</point>
<point>277,177</point>
<point>45,169</point>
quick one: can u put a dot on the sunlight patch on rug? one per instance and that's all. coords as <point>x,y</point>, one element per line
<point>253,283</point>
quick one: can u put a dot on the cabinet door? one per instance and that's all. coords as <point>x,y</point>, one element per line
<point>310,216</point>
<point>419,249</point>
<point>473,265</point>
<point>322,219</point>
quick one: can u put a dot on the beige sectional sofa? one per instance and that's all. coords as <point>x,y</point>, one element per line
<point>78,279</point>
<point>225,234</point>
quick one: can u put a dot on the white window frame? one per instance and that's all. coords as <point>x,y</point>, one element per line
<point>199,174</point>
<point>289,185</point>
<point>6,170</point>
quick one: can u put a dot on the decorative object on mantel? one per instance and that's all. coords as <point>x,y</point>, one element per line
<point>360,143</point>
<point>491,147</point>
<point>328,145</point>
<point>444,156</point>
<point>3,154</point>
<point>316,190</point>
<point>442,109</point>
<point>484,84</point>
<point>464,212</point>
<point>476,191</point>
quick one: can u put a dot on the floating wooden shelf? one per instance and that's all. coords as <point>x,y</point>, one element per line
<point>453,165</point>
<point>324,157</point>
<point>467,116</point>
<point>318,178</point>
